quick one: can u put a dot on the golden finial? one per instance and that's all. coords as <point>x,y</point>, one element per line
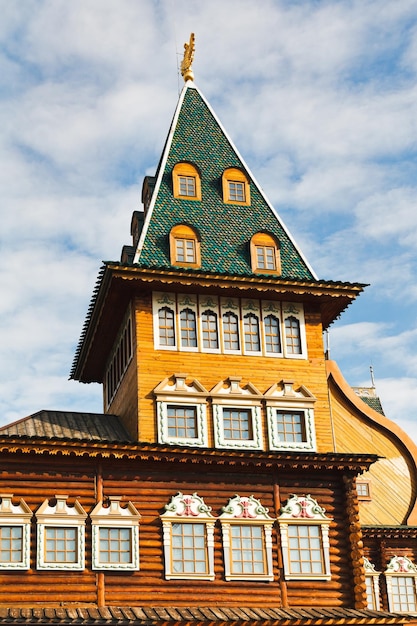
<point>189,49</point>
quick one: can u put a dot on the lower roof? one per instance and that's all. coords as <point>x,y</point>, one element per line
<point>213,615</point>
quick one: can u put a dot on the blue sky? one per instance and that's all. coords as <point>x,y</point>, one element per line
<point>320,99</point>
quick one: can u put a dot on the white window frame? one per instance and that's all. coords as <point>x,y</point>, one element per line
<point>185,302</point>
<point>188,509</point>
<point>229,394</point>
<point>294,309</point>
<point>251,307</point>
<point>246,511</point>
<point>175,391</point>
<point>16,516</point>
<point>161,300</point>
<point>400,567</point>
<point>113,515</point>
<point>372,578</point>
<point>304,511</point>
<point>209,304</point>
<point>232,306</point>
<point>60,515</point>
<point>270,307</point>
<point>283,397</point>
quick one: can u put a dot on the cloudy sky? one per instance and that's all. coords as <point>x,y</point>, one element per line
<point>320,98</point>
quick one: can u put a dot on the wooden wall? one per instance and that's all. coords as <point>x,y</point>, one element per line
<point>150,485</point>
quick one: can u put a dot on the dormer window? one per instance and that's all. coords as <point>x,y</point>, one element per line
<point>265,256</point>
<point>184,246</point>
<point>186,182</point>
<point>236,188</point>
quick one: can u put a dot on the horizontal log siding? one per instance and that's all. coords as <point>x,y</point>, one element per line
<point>354,433</point>
<point>150,487</point>
<point>35,481</point>
<point>209,369</point>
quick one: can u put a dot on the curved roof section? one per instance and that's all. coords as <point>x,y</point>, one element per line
<point>359,428</point>
<point>197,136</point>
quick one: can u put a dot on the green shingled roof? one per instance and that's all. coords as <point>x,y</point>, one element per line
<point>225,229</point>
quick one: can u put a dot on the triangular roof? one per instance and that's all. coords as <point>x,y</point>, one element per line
<point>197,136</point>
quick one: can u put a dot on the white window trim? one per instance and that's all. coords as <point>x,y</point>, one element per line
<point>187,302</point>
<point>240,511</point>
<point>60,515</point>
<point>251,307</point>
<point>115,516</point>
<point>190,509</point>
<point>300,511</point>
<point>230,395</point>
<point>373,575</point>
<point>206,304</point>
<point>176,391</point>
<point>269,307</point>
<point>294,309</point>
<point>16,515</point>
<point>400,566</point>
<point>230,305</point>
<point>283,397</point>
<point>160,300</point>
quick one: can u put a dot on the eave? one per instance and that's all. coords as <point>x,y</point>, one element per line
<point>213,458</point>
<point>389,532</point>
<point>117,284</point>
<point>218,615</point>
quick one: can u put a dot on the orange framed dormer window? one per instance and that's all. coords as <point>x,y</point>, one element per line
<point>265,254</point>
<point>184,246</point>
<point>186,182</point>
<point>235,186</point>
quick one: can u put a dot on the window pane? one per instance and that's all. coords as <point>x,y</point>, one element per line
<point>292,335</point>
<point>11,544</point>
<point>61,545</point>
<point>230,331</point>
<point>251,327</point>
<point>189,553</point>
<point>185,250</point>
<point>370,592</point>
<point>265,258</point>
<point>291,426</point>
<point>305,549</point>
<point>188,329</point>
<point>236,191</point>
<point>187,185</point>
<point>247,550</point>
<point>166,327</point>
<point>403,593</point>
<point>237,424</point>
<point>115,545</point>
<point>182,421</point>
<point>272,334</point>
<point>210,330</point>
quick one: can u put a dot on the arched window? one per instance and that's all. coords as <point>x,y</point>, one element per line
<point>251,330</point>
<point>188,329</point>
<point>184,246</point>
<point>272,334</point>
<point>265,255</point>
<point>292,335</point>
<point>186,182</point>
<point>166,324</point>
<point>210,331</point>
<point>230,331</point>
<point>235,185</point>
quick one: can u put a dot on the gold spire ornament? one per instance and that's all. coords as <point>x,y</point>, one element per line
<point>186,69</point>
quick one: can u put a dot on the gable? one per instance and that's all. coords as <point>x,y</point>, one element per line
<point>226,228</point>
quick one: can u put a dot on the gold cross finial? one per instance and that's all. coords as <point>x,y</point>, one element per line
<point>186,69</point>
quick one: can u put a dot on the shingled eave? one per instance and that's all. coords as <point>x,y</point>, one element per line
<point>216,459</point>
<point>117,283</point>
<point>389,532</point>
<point>184,616</point>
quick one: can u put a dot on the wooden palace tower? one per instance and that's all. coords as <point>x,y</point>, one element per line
<point>233,477</point>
